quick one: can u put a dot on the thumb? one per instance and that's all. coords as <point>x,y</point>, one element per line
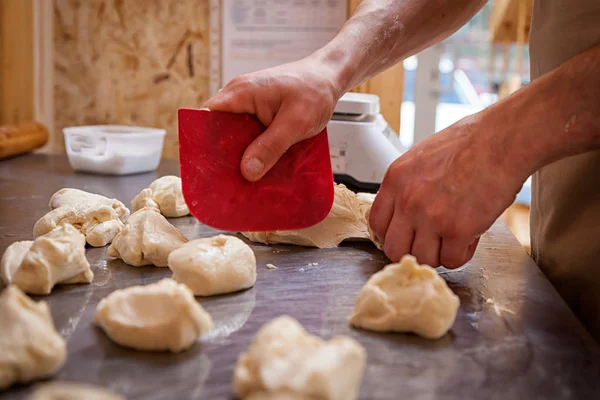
<point>267,149</point>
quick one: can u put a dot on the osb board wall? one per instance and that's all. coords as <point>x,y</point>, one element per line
<point>131,62</point>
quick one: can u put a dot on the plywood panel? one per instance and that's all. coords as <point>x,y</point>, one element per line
<point>130,62</point>
<point>16,47</point>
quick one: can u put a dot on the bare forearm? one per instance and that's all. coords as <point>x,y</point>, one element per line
<point>556,116</point>
<point>381,33</point>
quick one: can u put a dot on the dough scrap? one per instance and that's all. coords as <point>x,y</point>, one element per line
<point>72,391</point>
<point>165,194</point>
<point>215,265</point>
<point>345,221</point>
<point>57,257</point>
<point>406,297</point>
<point>99,223</point>
<point>30,347</point>
<point>147,239</point>
<point>156,317</point>
<point>76,197</point>
<point>284,360</point>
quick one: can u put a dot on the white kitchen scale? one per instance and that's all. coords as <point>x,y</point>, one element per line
<point>361,143</point>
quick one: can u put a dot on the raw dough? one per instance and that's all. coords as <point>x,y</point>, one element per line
<point>99,223</point>
<point>366,201</point>
<point>283,357</point>
<point>147,239</point>
<point>75,197</point>
<point>406,297</point>
<point>30,347</point>
<point>345,221</point>
<point>216,265</point>
<point>57,257</point>
<point>72,391</point>
<point>160,316</point>
<point>164,194</point>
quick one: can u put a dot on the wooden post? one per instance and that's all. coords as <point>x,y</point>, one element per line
<point>16,85</point>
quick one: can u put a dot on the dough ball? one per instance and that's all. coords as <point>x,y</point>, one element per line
<point>57,257</point>
<point>147,239</point>
<point>30,347</point>
<point>378,243</point>
<point>285,360</point>
<point>76,197</point>
<point>216,265</point>
<point>72,391</point>
<point>345,221</point>
<point>157,317</point>
<point>406,297</point>
<point>99,223</point>
<point>165,194</point>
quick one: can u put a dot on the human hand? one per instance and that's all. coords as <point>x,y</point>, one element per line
<point>442,195</point>
<point>294,101</point>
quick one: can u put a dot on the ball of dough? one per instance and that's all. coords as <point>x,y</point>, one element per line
<point>76,197</point>
<point>406,297</point>
<point>216,265</point>
<point>99,223</point>
<point>147,239</point>
<point>345,221</point>
<point>157,317</point>
<point>72,391</point>
<point>57,257</point>
<point>30,347</point>
<point>165,194</point>
<point>283,357</point>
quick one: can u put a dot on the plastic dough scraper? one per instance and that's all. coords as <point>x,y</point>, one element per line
<point>296,193</point>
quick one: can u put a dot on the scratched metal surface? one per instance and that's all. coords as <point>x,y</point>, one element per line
<point>513,338</point>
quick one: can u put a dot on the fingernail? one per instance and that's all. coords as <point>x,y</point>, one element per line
<point>254,166</point>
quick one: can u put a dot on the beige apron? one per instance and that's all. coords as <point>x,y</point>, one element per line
<point>565,209</point>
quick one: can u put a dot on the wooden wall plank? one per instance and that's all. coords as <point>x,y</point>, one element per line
<point>131,62</point>
<point>16,84</point>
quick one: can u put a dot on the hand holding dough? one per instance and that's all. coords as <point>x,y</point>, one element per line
<point>345,221</point>
<point>76,197</point>
<point>164,194</point>
<point>98,223</point>
<point>406,297</point>
<point>147,239</point>
<point>216,265</point>
<point>30,347</point>
<point>57,257</point>
<point>72,391</point>
<point>160,316</point>
<point>285,360</point>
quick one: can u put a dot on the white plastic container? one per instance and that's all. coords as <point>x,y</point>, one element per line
<point>114,149</point>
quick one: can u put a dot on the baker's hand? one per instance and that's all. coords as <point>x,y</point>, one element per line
<point>294,101</point>
<point>442,195</point>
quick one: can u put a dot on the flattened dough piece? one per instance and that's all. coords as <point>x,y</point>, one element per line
<point>98,223</point>
<point>285,360</point>
<point>147,239</point>
<point>215,265</point>
<point>157,317</point>
<point>57,257</point>
<point>76,197</point>
<point>345,221</point>
<point>30,347</point>
<point>406,297</point>
<point>62,390</point>
<point>165,194</point>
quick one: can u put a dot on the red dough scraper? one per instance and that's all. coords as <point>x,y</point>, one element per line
<point>296,193</point>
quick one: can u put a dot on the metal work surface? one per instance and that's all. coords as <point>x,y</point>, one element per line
<point>514,337</point>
